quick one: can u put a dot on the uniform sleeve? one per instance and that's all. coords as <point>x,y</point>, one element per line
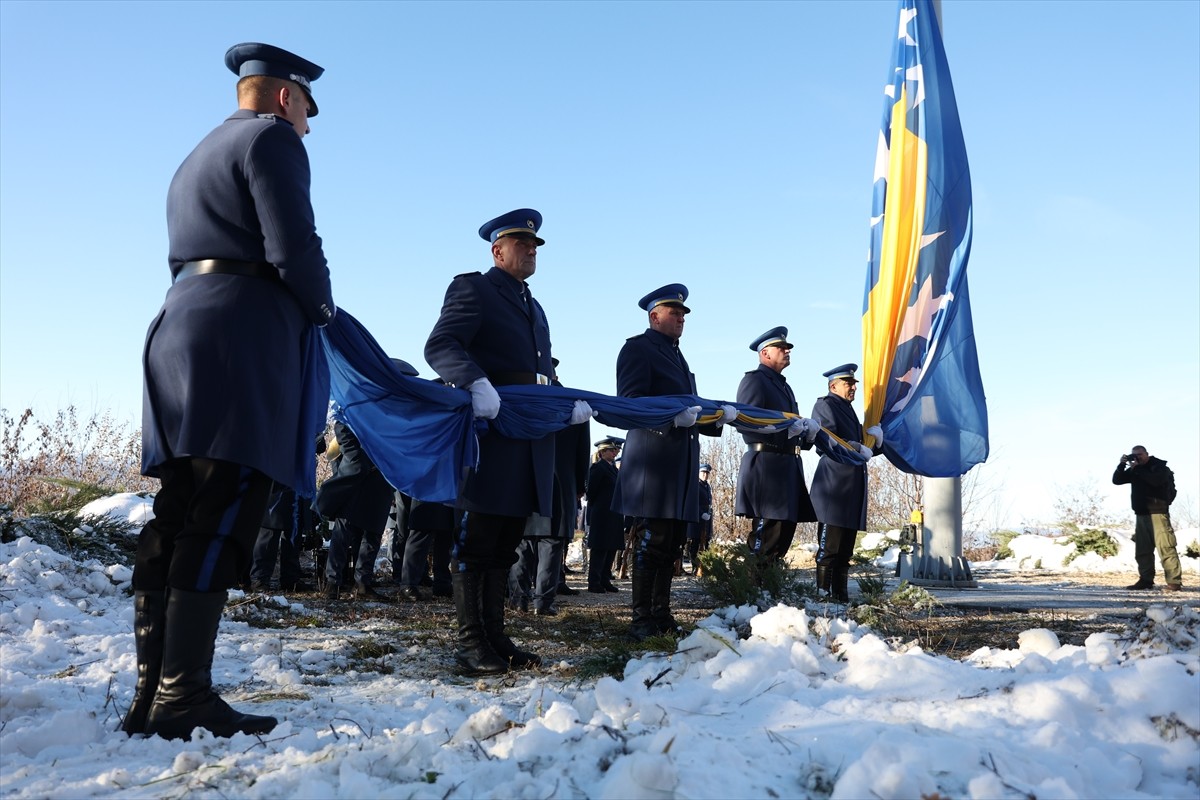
<point>634,372</point>
<point>824,414</point>
<point>446,348</point>
<point>276,168</point>
<point>750,391</point>
<point>582,447</point>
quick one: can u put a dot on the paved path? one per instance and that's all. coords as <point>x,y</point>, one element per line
<point>1074,593</point>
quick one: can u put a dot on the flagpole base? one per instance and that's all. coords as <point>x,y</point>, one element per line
<point>953,572</point>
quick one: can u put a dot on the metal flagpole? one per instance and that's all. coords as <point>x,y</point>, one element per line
<point>937,558</point>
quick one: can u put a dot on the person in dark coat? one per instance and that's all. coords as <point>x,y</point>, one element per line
<point>285,526</point>
<point>657,481</point>
<point>226,388</point>
<point>699,534</point>
<point>1151,492</point>
<point>536,577</point>
<point>279,539</point>
<point>357,498</point>
<point>771,489</point>
<point>605,527</point>
<point>423,527</point>
<point>839,491</point>
<point>492,332</point>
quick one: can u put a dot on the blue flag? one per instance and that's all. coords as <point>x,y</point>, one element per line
<point>920,368</point>
<point>423,435</point>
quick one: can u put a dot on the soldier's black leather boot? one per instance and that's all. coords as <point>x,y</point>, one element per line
<point>660,602</point>
<point>495,582</point>
<point>475,655</point>
<point>149,622</point>
<point>840,585</point>
<point>185,699</point>
<point>643,625</point>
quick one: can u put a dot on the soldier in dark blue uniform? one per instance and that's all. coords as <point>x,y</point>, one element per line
<point>422,527</point>
<point>699,534</point>
<point>285,526</point>
<point>839,491</point>
<point>771,489</point>
<point>657,481</point>
<point>357,498</point>
<point>226,384</point>
<point>492,332</point>
<point>605,527</point>
<point>537,577</point>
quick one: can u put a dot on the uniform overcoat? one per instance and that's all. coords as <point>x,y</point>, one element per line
<point>839,491</point>
<point>486,329</point>
<point>357,492</point>
<point>606,528</point>
<point>571,447</point>
<point>771,484</point>
<point>657,478</point>
<point>224,360</point>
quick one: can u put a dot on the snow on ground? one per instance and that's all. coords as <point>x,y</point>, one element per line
<point>774,704</point>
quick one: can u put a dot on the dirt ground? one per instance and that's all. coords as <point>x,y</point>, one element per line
<point>587,637</point>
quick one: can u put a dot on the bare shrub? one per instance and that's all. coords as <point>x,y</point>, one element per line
<point>47,466</point>
<point>725,456</point>
<point>1082,505</point>
<point>892,495</point>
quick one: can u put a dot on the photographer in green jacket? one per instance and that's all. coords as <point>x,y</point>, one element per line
<point>1152,488</point>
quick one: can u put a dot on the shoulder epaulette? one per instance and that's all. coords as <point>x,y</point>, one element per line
<point>467,274</point>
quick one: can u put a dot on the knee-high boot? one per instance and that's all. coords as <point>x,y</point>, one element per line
<point>475,654</point>
<point>824,574</point>
<point>185,699</point>
<point>840,585</point>
<point>660,602</point>
<point>149,620</point>
<point>495,581</point>
<point>643,624</point>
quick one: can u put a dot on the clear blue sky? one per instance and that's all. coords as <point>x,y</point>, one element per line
<point>729,146</point>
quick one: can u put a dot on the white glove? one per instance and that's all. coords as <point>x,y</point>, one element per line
<point>862,448</point>
<point>806,426</point>
<point>687,418</point>
<point>877,432</point>
<point>706,516</point>
<point>728,414</point>
<point>485,402</point>
<point>581,412</point>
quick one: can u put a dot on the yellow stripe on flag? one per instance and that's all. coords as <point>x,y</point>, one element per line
<point>903,223</point>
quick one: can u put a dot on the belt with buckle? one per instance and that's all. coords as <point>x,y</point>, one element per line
<point>518,379</point>
<point>226,266</point>
<point>767,447</point>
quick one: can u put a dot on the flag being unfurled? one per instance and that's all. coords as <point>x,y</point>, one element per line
<point>920,369</point>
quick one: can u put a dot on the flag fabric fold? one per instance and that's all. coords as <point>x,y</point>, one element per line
<point>920,368</point>
<point>423,436</point>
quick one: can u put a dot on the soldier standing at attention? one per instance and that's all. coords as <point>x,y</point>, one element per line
<point>657,484</point>
<point>492,332</point>
<point>230,404</point>
<point>771,489</point>
<point>839,491</point>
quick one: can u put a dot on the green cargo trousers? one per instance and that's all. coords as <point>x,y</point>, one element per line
<point>1151,531</point>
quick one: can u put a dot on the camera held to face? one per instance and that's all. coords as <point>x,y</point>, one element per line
<point>1131,458</point>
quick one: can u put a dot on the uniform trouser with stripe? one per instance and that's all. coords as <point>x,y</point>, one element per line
<point>835,546</point>
<point>771,538</point>
<point>1154,531</point>
<point>206,518</point>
